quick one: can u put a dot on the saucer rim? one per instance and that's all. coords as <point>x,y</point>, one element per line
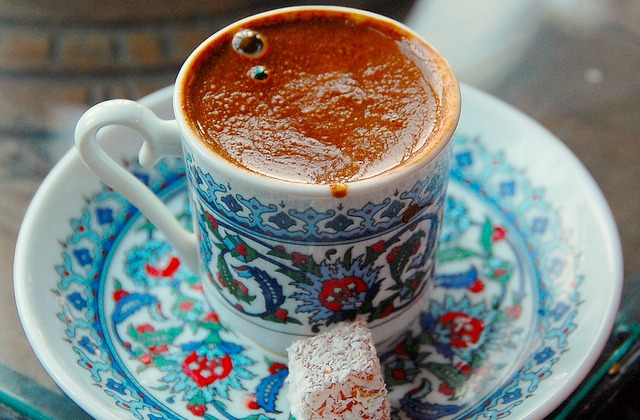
<point>611,242</point>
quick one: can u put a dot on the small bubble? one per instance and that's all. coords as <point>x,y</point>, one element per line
<point>248,43</point>
<point>259,73</point>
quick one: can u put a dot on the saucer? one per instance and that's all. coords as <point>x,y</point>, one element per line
<point>527,287</point>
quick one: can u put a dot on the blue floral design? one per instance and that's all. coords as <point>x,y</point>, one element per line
<point>317,299</point>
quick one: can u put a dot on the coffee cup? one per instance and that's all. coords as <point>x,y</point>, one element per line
<point>317,143</point>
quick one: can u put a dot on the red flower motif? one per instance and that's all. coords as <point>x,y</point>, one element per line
<point>221,280</point>
<point>212,317</point>
<point>251,402</point>
<point>119,294</point>
<point>464,369</point>
<point>299,259</point>
<point>445,389</point>
<point>391,256</point>
<point>276,367</point>
<point>186,306</point>
<point>378,247</point>
<point>213,221</point>
<point>167,271</point>
<point>399,373</point>
<point>465,330</point>
<point>336,292</point>
<point>146,359</point>
<point>197,409</point>
<point>144,328</point>
<point>498,234</point>
<point>205,371</point>
<point>241,250</point>
<point>401,349</point>
<point>282,314</point>
<point>388,310</point>
<point>476,287</point>
<point>159,349</point>
<point>243,289</point>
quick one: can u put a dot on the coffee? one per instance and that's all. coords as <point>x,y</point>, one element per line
<point>314,97</point>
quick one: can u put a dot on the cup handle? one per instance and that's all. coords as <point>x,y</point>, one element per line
<point>161,138</point>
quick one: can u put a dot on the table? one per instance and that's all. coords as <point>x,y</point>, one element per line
<point>571,65</point>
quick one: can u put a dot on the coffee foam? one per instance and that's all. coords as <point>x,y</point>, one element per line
<point>270,140</point>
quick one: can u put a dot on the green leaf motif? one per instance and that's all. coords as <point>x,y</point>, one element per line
<point>213,339</point>
<point>288,320</point>
<point>154,338</point>
<point>308,266</point>
<point>279,252</point>
<point>224,271</point>
<point>400,256</point>
<point>448,374</point>
<point>241,250</point>
<point>455,253</point>
<point>348,259</point>
<point>373,252</point>
<point>232,285</point>
<point>486,239</point>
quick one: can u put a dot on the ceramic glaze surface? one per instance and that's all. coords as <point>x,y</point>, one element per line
<point>505,315</point>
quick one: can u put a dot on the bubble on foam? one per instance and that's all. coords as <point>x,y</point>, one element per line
<point>249,43</point>
<point>259,73</point>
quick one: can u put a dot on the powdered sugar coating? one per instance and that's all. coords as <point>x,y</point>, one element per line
<point>337,375</point>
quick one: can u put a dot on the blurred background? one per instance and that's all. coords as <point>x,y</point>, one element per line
<point>572,65</point>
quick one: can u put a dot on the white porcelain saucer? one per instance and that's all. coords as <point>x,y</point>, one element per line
<point>528,284</point>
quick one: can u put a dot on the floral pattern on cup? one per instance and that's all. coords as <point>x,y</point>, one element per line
<point>312,225</point>
<point>370,262</point>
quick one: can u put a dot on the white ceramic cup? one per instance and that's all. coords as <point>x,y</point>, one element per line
<point>281,260</point>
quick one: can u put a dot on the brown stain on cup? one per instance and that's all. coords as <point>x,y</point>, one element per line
<point>339,190</point>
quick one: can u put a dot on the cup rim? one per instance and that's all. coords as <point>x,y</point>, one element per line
<point>451,107</point>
